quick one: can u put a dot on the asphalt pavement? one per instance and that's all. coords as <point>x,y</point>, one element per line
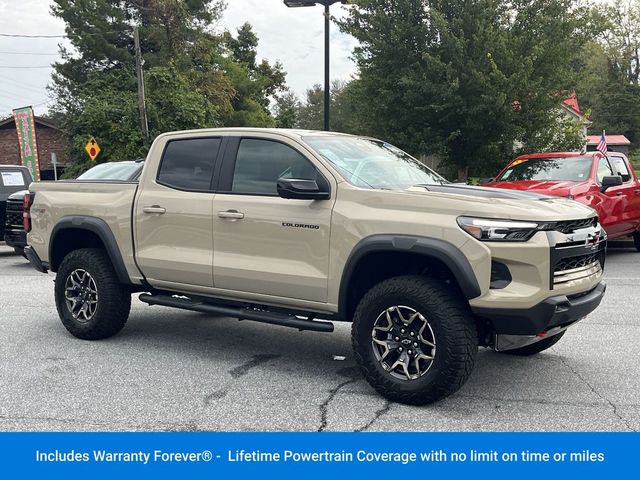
<point>170,370</point>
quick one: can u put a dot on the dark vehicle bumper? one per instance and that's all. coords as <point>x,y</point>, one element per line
<point>34,260</point>
<point>15,239</point>
<point>554,312</point>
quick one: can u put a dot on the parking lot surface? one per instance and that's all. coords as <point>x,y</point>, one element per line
<point>184,371</point>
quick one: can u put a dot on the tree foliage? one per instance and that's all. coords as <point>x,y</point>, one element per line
<point>195,78</point>
<point>446,76</point>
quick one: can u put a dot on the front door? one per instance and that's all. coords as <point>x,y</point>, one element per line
<point>265,244</point>
<point>174,216</point>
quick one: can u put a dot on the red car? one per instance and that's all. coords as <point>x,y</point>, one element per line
<point>607,184</point>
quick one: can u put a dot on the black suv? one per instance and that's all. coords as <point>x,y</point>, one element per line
<point>14,180</point>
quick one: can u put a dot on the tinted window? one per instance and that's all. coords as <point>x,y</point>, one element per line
<point>620,168</point>
<point>260,163</point>
<point>188,164</point>
<point>604,169</point>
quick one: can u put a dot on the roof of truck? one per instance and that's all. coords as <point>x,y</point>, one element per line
<point>292,132</point>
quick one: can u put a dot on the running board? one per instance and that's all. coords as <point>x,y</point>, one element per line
<point>263,316</point>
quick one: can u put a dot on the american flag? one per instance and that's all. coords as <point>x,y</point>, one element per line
<point>602,144</point>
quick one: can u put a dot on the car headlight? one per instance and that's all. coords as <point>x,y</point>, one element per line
<point>490,230</point>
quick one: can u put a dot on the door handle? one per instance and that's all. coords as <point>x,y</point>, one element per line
<point>619,194</point>
<point>231,214</point>
<point>636,191</point>
<point>154,209</point>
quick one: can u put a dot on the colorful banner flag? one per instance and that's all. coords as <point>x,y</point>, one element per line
<point>27,140</point>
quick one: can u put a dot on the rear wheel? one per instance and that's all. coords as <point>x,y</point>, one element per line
<point>636,240</point>
<point>537,347</point>
<point>414,339</point>
<point>91,302</point>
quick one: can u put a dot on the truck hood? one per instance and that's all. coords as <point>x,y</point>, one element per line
<point>550,187</point>
<point>510,204</point>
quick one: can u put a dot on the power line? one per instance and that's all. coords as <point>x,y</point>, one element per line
<point>30,53</point>
<point>20,35</point>
<point>21,66</point>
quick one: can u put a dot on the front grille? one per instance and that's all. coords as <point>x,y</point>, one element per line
<point>14,215</point>
<point>570,226</point>
<point>576,268</point>
<point>576,262</point>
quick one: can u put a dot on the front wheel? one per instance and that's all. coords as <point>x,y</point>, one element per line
<point>91,302</point>
<point>414,339</point>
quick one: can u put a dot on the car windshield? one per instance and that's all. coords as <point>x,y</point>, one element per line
<point>573,169</point>
<point>369,163</point>
<point>112,171</point>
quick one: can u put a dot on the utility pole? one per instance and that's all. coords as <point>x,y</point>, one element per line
<point>142,106</point>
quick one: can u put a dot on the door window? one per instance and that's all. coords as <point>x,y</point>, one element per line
<point>260,163</point>
<point>604,169</point>
<point>188,164</point>
<point>620,168</point>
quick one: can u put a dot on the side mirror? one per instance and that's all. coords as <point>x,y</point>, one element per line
<point>298,189</point>
<point>610,181</point>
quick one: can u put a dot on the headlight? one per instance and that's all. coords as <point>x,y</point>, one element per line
<point>487,229</point>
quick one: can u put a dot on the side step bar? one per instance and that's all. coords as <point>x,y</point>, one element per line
<point>273,318</point>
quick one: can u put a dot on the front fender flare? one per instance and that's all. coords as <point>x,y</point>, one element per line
<point>435,248</point>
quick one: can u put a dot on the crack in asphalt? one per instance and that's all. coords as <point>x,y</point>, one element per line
<point>353,375</point>
<point>255,361</point>
<point>238,372</point>
<point>376,416</point>
<point>530,401</point>
<point>613,406</point>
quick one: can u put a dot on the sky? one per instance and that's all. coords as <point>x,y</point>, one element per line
<point>294,36</point>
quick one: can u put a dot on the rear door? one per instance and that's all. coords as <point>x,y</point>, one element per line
<point>174,215</point>
<point>265,244</point>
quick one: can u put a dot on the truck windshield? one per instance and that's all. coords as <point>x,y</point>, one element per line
<point>369,163</point>
<point>573,169</point>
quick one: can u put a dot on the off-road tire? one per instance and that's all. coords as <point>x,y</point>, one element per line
<point>454,331</point>
<point>537,347</point>
<point>114,300</point>
<point>636,240</point>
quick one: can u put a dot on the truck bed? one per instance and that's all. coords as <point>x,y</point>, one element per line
<point>110,202</point>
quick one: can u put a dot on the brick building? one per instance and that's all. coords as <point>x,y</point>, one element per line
<point>50,140</point>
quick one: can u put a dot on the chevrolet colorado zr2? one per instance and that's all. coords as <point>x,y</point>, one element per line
<point>301,229</point>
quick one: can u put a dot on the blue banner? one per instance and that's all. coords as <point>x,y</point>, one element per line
<point>316,455</point>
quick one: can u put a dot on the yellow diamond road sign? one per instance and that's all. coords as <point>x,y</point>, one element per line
<point>92,148</point>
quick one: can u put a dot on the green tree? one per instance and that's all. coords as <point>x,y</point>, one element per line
<point>195,78</point>
<point>286,110</point>
<point>466,79</point>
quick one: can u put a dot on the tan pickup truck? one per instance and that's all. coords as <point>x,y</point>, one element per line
<point>301,228</point>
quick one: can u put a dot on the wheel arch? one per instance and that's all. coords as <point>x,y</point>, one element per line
<point>402,251</point>
<point>76,232</point>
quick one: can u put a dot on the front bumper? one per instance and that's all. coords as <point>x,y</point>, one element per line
<point>15,239</point>
<point>556,311</point>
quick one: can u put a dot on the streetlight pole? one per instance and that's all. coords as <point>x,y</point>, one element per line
<point>327,69</point>
<point>327,45</point>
